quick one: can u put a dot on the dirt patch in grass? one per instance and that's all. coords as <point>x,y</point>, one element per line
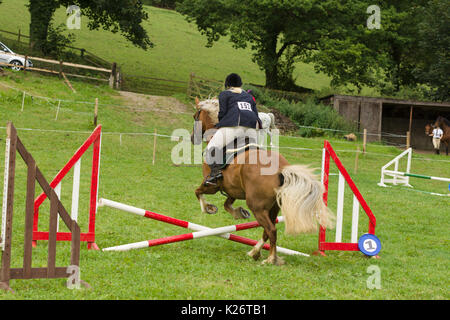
<point>145,106</point>
<point>144,103</point>
<point>283,123</point>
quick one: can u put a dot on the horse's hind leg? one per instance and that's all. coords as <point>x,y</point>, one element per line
<point>237,213</point>
<point>273,258</point>
<point>255,253</point>
<point>270,232</point>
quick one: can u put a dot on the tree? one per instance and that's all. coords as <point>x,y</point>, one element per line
<point>410,48</point>
<point>278,32</point>
<point>346,51</point>
<point>433,67</point>
<point>332,35</point>
<point>125,16</point>
<point>168,4</point>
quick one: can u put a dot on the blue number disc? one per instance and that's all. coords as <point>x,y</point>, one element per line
<point>369,244</point>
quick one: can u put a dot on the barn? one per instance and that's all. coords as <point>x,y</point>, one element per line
<point>388,119</point>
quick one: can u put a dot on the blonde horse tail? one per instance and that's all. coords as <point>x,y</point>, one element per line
<point>301,201</point>
<point>272,121</point>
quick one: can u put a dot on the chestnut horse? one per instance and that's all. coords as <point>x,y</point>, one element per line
<point>444,124</point>
<point>266,181</point>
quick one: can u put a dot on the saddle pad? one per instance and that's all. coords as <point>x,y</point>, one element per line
<point>233,153</point>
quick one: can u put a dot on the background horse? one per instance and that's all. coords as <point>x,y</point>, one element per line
<point>444,124</point>
<point>268,124</point>
<point>267,184</point>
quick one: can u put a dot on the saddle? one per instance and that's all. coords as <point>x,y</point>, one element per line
<point>236,147</point>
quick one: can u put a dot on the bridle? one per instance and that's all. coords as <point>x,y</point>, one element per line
<point>197,115</point>
<point>196,130</point>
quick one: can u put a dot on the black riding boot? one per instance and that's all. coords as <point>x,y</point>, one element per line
<point>215,175</point>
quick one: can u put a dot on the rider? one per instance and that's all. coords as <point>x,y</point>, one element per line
<point>238,117</point>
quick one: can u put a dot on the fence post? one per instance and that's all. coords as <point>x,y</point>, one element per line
<point>154,146</point>
<point>118,78</point>
<point>60,68</point>
<point>356,160</point>
<point>113,78</point>
<point>189,89</point>
<point>25,64</point>
<point>23,100</point>
<point>408,139</point>
<point>95,112</point>
<point>365,141</point>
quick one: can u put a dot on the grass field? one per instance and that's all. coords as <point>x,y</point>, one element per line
<point>180,49</point>
<point>413,227</point>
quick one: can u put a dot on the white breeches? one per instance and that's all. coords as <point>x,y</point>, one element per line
<point>226,135</point>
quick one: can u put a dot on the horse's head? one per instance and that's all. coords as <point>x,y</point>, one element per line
<point>441,122</point>
<point>205,117</point>
<point>428,129</point>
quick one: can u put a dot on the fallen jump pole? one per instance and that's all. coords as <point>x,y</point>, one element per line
<point>201,231</point>
<point>420,176</point>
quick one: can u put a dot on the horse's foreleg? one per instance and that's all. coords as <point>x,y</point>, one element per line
<point>204,205</point>
<point>237,213</point>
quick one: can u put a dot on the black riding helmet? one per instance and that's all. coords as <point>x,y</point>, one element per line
<point>233,80</point>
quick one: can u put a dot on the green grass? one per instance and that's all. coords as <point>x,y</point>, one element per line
<point>413,227</point>
<point>180,48</point>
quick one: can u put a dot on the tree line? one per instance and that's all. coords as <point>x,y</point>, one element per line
<point>391,45</point>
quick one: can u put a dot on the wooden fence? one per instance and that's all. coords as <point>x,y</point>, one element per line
<point>83,53</point>
<point>203,88</point>
<point>7,273</point>
<point>207,88</point>
<point>64,69</point>
<point>151,85</point>
<point>194,86</point>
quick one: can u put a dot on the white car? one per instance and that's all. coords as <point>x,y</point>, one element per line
<point>9,57</point>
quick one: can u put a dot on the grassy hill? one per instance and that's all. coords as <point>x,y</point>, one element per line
<point>180,48</point>
<point>413,227</point>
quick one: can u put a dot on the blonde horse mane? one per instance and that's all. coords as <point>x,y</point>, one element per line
<point>211,106</point>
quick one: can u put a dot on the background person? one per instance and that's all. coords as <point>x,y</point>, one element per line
<point>437,135</point>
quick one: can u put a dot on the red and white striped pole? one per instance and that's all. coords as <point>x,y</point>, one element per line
<point>202,231</point>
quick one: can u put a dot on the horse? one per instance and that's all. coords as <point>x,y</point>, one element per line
<point>267,184</point>
<point>268,124</point>
<point>267,120</point>
<point>444,124</point>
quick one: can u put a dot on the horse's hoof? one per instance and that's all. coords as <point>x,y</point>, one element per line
<point>211,209</point>
<point>254,255</point>
<point>244,213</point>
<point>277,261</point>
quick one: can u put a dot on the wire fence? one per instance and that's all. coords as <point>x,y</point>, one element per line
<point>59,101</point>
<point>177,138</point>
